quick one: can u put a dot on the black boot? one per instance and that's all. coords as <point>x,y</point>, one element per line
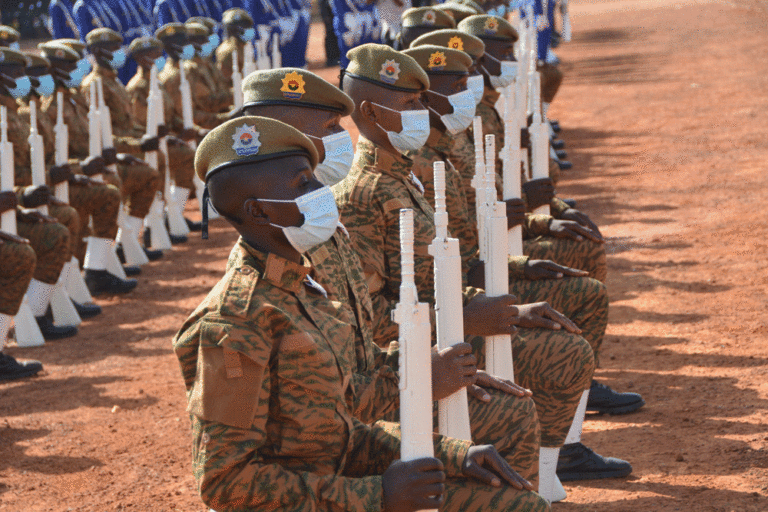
<point>153,254</point>
<point>557,143</point>
<point>564,164</point>
<point>561,154</point>
<point>604,400</point>
<point>570,202</point>
<point>193,226</point>
<point>101,282</point>
<point>175,239</point>
<point>555,125</point>
<point>577,462</point>
<point>86,310</point>
<point>11,369</point>
<point>53,332</point>
<point>131,270</point>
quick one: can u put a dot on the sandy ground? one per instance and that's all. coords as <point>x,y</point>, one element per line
<point>664,112</point>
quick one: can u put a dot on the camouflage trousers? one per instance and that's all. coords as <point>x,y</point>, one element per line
<point>51,245</point>
<point>69,217</point>
<point>138,184</point>
<point>582,299</point>
<point>551,78</point>
<point>585,255</point>
<point>462,495</point>
<point>101,203</point>
<point>18,265</point>
<point>182,166</point>
<point>557,366</point>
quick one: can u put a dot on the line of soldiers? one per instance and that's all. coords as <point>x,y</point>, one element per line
<point>291,362</point>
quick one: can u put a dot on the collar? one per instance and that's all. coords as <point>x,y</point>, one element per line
<point>385,162</point>
<point>439,141</point>
<point>276,270</point>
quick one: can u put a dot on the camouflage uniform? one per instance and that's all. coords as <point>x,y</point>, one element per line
<point>101,202</point>
<point>51,245</point>
<point>462,155</point>
<point>15,273</point>
<point>170,77</point>
<point>585,255</point>
<point>205,91</point>
<point>224,58</point>
<point>180,157</point>
<point>137,181</point>
<point>297,445</point>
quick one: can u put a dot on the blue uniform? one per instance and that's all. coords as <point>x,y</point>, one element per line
<point>543,21</point>
<point>355,22</point>
<point>62,24</point>
<point>266,20</point>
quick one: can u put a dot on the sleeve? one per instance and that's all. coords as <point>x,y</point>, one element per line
<point>164,14</point>
<point>376,390</point>
<point>517,267</point>
<point>85,19</point>
<point>536,225</point>
<point>557,206</point>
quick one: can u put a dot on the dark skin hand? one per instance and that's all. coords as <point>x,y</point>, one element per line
<point>162,130</point>
<point>541,314</point>
<point>577,216</point>
<point>127,159</point>
<point>414,485</point>
<point>79,180</point>
<point>546,269</point>
<point>515,212</point>
<point>149,143</point>
<point>109,155</point>
<point>12,238</point>
<point>93,165</point>
<point>31,216</point>
<point>488,381</point>
<point>539,192</point>
<point>488,316</point>
<point>525,138</point>
<point>60,173</point>
<point>453,368</point>
<point>35,196</point>
<point>188,134</point>
<point>8,201</point>
<point>483,463</point>
<point>573,230</point>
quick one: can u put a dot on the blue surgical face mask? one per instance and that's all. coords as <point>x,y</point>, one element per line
<point>160,62</point>
<point>15,47</point>
<point>248,35</point>
<point>23,86</point>
<point>188,52</point>
<point>215,40</point>
<point>75,78</point>
<point>118,59</point>
<point>84,65</point>
<point>206,49</point>
<point>46,86</point>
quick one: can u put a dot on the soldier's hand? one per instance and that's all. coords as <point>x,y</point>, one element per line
<point>12,238</point>
<point>488,381</point>
<point>525,138</point>
<point>582,218</point>
<point>483,463</point>
<point>414,485</point>
<point>175,141</point>
<point>453,368</point>
<point>93,165</point>
<point>78,180</point>
<point>573,230</point>
<point>110,156</point>
<point>546,269</point>
<point>32,216</point>
<point>162,130</point>
<point>149,143</point>
<point>188,134</point>
<point>541,314</point>
<point>8,201</point>
<point>60,173</point>
<point>35,196</point>
<point>539,192</point>
<point>476,274</point>
<point>127,159</point>
<point>488,316</point>
<point>515,212</point>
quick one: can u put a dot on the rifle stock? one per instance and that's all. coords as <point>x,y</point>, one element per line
<point>37,153</point>
<point>61,131</point>
<point>7,176</point>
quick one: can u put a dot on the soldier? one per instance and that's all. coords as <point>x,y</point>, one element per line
<point>355,22</point>
<point>459,11</point>
<point>207,92</point>
<point>18,259</point>
<point>420,20</point>
<point>282,343</point>
<point>238,31</point>
<point>138,181</point>
<point>9,37</point>
<point>62,20</point>
<point>205,54</point>
<point>95,200</point>
<point>508,421</point>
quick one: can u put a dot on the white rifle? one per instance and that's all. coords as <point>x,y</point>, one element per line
<point>277,58</point>
<point>249,59</point>
<point>540,145</point>
<point>453,411</point>
<point>493,253</point>
<point>415,355</point>
<point>40,294</point>
<point>566,14</point>
<point>478,180</point>
<point>159,238</point>
<point>511,165</point>
<point>73,279</point>
<point>521,89</point>
<point>129,228</point>
<point>262,57</point>
<point>27,332</point>
<point>237,79</point>
<point>187,117</point>
<point>100,252</point>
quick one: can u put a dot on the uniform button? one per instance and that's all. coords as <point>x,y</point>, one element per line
<point>206,438</point>
<point>246,271</point>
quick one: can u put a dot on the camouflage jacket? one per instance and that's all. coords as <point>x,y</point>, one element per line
<point>170,77</point>
<point>206,91</point>
<point>462,155</point>
<point>75,117</point>
<point>370,198</point>
<point>44,126</point>
<point>125,131</point>
<point>138,92</point>
<point>18,136</point>
<point>224,58</point>
<point>266,389</point>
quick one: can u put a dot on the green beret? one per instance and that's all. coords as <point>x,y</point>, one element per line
<point>440,60</point>
<point>141,44</point>
<point>294,86</point>
<point>209,23</point>
<point>452,38</point>
<point>426,17</point>
<point>459,11</point>
<point>103,35</point>
<point>36,61</point>
<point>249,139</point>
<point>170,30</point>
<point>8,34</point>
<point>54,50</point>
<point>485,26</point>
<point>8,56</point>
<point>386,67</point>
<point>75,44</point>
<point>236,15</point>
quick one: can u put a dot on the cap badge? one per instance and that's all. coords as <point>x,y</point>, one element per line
<point>293,86</point>
<point>491,26</point>
<point>429,18</point>
<point>246,141</point>
<point>59,53</point>
<point>456,43</point>
<point>170,31</point>
<point>436,61</point>
<point>390,71</point>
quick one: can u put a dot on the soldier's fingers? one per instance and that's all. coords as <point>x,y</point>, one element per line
<point>427,464</point>
<point>434,489</point>
<point>562,320</point>
<point>568,271</point>
<point>430,478</point>
<point>479,393</point>
<point>459,349</point>
<point>477,472</point>
<point>430,502</point>
<point>502,469</point>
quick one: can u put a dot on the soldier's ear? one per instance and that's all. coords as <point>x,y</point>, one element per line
<point>369,113</point>
<point>253,211</point>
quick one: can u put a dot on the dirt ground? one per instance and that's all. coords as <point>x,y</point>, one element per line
<point>664,112</point>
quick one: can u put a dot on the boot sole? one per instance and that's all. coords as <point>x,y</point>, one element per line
<point>19,375</point>
<point>598,475</point>
<point>615,411</point>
